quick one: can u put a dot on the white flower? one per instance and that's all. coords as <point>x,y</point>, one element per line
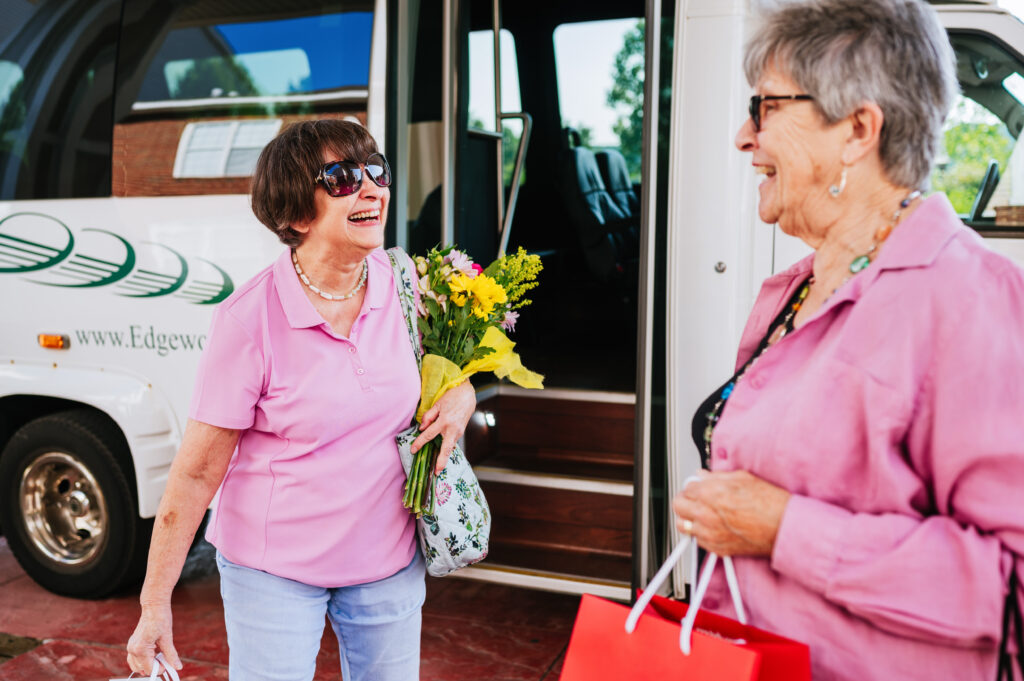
<point>509,322</point>
<point>462,263</point>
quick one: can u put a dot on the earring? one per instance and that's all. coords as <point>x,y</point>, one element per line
<point>834,190</point>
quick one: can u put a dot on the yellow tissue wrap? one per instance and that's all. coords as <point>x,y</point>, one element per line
<point>439,375</point>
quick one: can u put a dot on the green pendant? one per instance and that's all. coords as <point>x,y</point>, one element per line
<point>859,263</point>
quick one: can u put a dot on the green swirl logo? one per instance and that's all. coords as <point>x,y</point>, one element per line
<point>39,243</point>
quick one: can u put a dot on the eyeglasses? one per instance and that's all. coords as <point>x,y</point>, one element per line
<point>341,178</point>
<point>755,106</point>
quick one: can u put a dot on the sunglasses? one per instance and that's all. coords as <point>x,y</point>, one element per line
<point>757,100</point>
<point>341,178</point>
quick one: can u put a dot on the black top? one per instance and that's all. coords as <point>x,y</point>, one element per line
<point>700,419</point>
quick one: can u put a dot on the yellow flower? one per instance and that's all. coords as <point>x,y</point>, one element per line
<point>517,272</point>
<point>461,287</point>
<point>485,292</point>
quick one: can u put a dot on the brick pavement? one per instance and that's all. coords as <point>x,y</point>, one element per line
<point>471,631</point>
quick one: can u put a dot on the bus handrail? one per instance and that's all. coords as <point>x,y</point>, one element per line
<point>506,226</point>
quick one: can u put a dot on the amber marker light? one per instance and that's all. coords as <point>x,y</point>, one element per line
<point>54,341</point>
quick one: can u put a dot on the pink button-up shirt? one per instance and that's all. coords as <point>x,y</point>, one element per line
<point>314,490</point>
<point>895,417</point>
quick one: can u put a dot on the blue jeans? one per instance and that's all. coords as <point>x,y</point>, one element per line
<point>275,625</point>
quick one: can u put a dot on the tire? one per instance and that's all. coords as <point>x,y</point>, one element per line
<point>68,511</point>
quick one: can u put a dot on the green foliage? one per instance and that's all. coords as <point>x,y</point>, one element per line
<point>206,75</point>
<point>509,147</point>
<point>969,146</point>
<point>626,96</point>
<point>586,134</point>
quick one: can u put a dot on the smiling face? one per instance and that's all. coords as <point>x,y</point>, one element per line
<point>797,153</point>
<point>351,226</point>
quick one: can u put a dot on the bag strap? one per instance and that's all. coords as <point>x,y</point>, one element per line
<point>166,670</point>
<point>686,630</point>
<point>407,297</point>
<point>1011,617</point>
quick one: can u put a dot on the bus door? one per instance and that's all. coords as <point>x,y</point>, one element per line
<point>495,155</point>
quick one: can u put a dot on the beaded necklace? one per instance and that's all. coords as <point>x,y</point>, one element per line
<point>775,335</point>
<point>324,294</point>
<point>881,234</point>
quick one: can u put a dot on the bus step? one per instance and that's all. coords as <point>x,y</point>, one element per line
<point>611,466</point>
<point>561,529</point>
<point>489,571</point>
<point>557,470</point>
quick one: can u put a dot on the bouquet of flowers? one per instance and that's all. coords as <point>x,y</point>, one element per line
<point>463,311</point>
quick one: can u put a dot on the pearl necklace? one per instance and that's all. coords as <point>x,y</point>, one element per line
<point>324,294</point>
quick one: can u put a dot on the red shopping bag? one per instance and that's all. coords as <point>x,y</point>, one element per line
<point>665,644</point>
<point>600,648</point>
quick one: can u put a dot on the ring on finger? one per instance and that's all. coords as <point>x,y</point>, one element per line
<point>687,526</point>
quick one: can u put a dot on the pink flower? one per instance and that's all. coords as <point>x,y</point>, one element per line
<point>461,262</point>
<point>509,322</point>
<point>443,491</point>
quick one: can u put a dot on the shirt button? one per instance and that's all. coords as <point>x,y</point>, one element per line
<point>360,371</point>
<point>711,604</point>
<point>723,453</point>
<point>351,351</point>
<point>756,381</point>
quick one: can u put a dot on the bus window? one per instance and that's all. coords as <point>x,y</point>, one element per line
<point>481,77</point>
<point>980,165</point>
<point>201,89</point>
<point>983,127</point>
<point>481,92</point>
<point>601,97</point>
<point>56,91</point>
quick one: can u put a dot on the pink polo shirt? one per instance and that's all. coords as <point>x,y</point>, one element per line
<point>313,492</point>
<point>895,416</point>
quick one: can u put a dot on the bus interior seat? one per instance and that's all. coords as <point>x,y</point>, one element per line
<point>615,174</point>
<point>607,234</point>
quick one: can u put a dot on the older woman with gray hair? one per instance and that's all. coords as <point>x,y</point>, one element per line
<point>867,457</point>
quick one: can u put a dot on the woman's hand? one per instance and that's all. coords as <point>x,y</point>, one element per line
<point>447,418</point>
<point>731,514</point>
<point>153,631</point>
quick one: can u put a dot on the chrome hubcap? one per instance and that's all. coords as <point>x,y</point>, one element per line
<point>63,508</point>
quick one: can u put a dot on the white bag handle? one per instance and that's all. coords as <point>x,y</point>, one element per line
<point>168,672</point>
<point>686,629</point>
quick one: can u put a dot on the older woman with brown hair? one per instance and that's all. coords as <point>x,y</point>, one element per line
<point>867,456</point>
<point>307,377</point>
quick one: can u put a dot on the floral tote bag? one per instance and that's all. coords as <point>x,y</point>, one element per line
<point>456,534</point>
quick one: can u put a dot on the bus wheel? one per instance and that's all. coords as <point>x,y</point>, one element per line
<point>68,512</point>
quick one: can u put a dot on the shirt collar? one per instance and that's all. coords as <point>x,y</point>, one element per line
<point>377,277</point>
<point>914,243</point>
<point>300,312</point>
<point>297,307</point>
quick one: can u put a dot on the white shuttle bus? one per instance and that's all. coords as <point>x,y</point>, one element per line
<point>128,133</point>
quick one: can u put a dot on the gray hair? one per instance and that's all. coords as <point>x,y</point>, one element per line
<point>894,53</point>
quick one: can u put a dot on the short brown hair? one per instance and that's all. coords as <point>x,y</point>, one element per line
<point>282,184</point>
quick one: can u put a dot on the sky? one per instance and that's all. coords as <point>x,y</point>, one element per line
<point>582,83</point>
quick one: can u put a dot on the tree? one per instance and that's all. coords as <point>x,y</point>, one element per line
<point>626,96</point>
<point>973,137</point>
<point>214,77</point>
